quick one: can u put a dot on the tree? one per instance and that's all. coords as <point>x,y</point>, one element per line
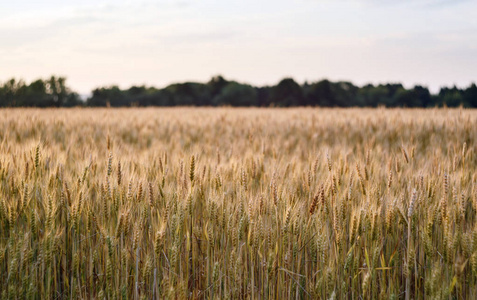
<point>237,94</point>
<point>451,97</point>
<point>53,92</point>
<point>190,93</point>
<point>216,84</point>
<point>56,88</point>
<point>287,93</point>
<point>110,96</point>
<point>320,94</point>
<point>470,96</point>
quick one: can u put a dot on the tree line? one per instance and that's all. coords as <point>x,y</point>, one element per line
<point>53,92</point>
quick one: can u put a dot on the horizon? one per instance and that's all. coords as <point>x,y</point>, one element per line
<point>86,95</point>
<point>426,42</point>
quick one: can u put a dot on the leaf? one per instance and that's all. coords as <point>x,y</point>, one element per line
<point>453,283</point>
<point>367,257</point>
<point>205,231</point>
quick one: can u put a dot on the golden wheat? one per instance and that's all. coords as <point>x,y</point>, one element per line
<point>274,203</point>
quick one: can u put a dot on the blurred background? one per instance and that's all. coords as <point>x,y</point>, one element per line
<point>104,48</point>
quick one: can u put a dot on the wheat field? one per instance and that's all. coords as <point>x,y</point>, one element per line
<point>202,203</point>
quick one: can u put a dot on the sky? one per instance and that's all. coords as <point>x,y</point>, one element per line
<point>101,43</point>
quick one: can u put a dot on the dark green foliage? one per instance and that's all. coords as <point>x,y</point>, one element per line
<point>218,91</point>
<point>236,94</point>
<point>287,93</point>
<point>51,92</point>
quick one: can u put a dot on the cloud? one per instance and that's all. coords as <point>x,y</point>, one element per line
<point>431,41</point>
<point>443,3</point>
<point>413,3</point>
<point>162,41</point>
<point>28,34</point>
<point>101,23</point>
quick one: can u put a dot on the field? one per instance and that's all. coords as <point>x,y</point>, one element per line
<point>238,203</point>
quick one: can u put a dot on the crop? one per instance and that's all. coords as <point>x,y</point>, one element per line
<point>238,203</point>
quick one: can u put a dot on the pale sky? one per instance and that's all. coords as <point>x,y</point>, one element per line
<point>98,43</point>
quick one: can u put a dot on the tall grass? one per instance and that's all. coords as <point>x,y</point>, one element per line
<point>238,203</point>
